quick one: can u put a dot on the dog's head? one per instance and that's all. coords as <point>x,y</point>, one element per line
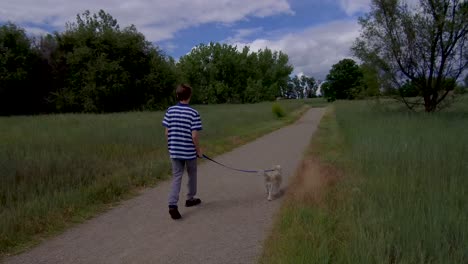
<point>269,175</point>
<point>277,168</point>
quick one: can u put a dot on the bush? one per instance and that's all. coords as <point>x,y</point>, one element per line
<point>278,110</point>
<point>460,89</point>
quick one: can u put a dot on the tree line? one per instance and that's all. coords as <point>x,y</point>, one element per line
<point>96,66</point>
<point>419,57</point>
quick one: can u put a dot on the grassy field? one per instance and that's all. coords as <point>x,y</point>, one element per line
<point>402,198</point>
<point>56,170</point>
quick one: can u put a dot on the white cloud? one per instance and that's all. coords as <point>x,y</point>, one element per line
<point>35,31</point>
<point>352,7</point>
<point>314,50</point>
<point>169,46</point>
<point>242,34</point>
<point>157,19</point>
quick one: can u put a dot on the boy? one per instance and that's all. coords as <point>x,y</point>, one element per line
<point>182,125</point>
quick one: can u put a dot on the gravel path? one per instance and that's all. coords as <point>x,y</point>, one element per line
<point>228,227</point>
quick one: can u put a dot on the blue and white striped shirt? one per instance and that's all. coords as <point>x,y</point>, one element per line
<point>181,120</point>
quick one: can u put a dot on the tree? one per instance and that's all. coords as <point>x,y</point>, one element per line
<point>207,68</point>
<point>310,85</point>
<point>274,71</point>
<point>462,88</point>
<point>371,81</point>
<point>426,46</point>
<point>220,73</point>
<point>344,80</point>
<point>300,87</point>
<point>21,91</point>
<point>408,90</point>
<point>103,68</point>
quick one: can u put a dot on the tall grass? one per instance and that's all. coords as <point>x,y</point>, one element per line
<point>59,169</point>
<point>404,196</point>
<point>412,206</point>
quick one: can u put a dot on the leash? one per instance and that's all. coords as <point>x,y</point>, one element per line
<point>231,168</point>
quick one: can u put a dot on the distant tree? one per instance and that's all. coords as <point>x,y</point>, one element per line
<point>211,69</point>
<point>371,81</point>
<point>408,90</point>
<point>297,87</point>
<point>462,88</point>
<point>344,80</point>
<point>21,91</point>
<point>426,46</point>
<point>274,72</point>
<point>221,73</point>
<point>310,86</point>
<point>301,87</point>
<point>159,82</point>
<point>328,93</point>
<point>289,90</point>
<point>103,68</point>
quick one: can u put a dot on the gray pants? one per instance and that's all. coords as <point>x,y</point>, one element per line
<point>178,167</point>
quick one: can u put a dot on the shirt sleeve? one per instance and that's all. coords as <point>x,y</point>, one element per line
<point>196,123</point>
<point>165,121</point>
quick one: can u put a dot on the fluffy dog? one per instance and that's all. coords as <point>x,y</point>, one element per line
<point>273,180</point>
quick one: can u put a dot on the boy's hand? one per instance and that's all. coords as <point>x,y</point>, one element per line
<point>195,142</point>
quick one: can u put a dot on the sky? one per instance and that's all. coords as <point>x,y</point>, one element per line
<point>314,33</point>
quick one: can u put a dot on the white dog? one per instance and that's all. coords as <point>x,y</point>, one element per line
<point>272,181</point>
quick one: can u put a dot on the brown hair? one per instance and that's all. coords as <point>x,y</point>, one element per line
<point>183,92</point>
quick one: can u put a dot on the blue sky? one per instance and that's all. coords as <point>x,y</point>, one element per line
<point>315,34</point>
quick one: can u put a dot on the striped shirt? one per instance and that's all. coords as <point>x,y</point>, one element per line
<point>181,120</point>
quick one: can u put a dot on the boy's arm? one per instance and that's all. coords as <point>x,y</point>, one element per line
<point>167,133</point>
<point>196,143</point>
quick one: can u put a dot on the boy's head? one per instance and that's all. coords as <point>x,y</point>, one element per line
<point>183,92</point>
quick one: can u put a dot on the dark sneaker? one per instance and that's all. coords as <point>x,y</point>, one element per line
<point>192,202</point>
<point>174,212</point>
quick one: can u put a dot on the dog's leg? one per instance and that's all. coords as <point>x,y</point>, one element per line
<point>269,191</point>
<point>273,190</point>
<point>276,189</point>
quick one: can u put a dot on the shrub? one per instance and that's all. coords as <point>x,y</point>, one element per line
<point>278,110</point>
<point>460,89</point>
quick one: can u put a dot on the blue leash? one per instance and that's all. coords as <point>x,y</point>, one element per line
<point>246,171</point>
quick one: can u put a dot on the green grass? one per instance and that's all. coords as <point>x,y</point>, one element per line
<point>404,196</point>
<point>413,190</point>
<point>56,170</point>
